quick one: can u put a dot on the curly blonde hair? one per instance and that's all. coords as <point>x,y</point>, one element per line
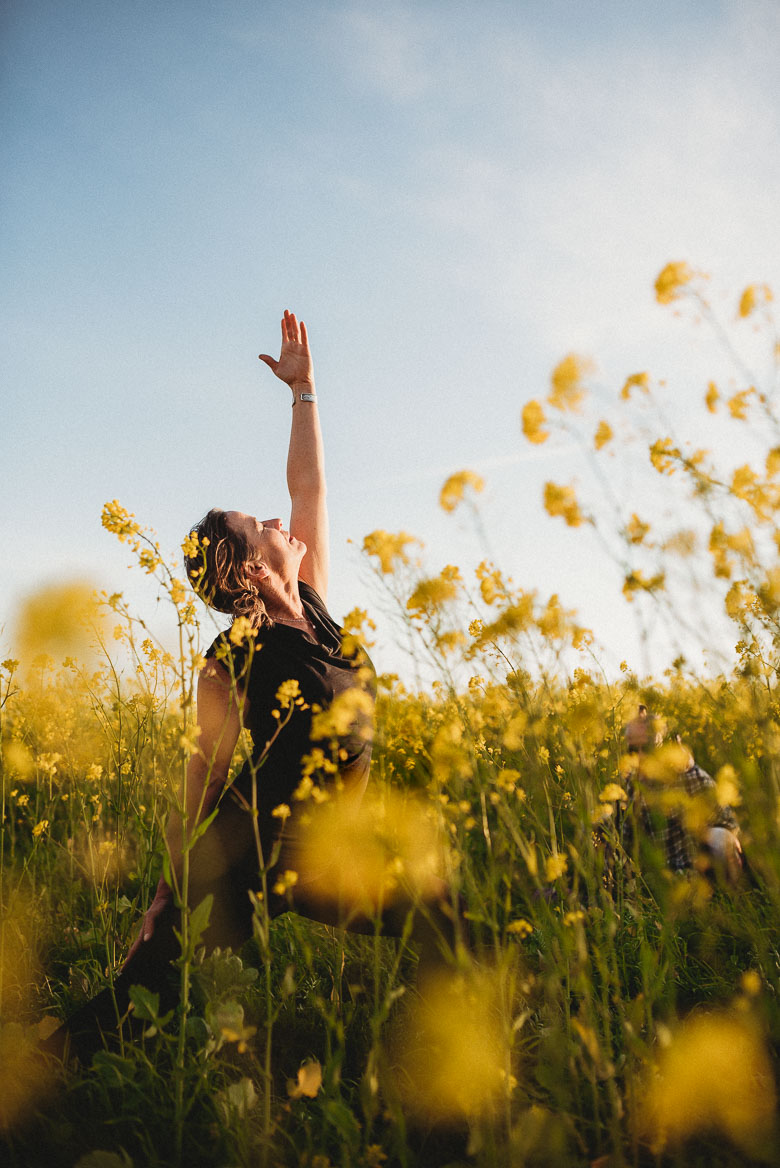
<point>217,569</point>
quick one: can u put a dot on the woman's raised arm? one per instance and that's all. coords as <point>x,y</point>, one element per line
<point>306,457</point>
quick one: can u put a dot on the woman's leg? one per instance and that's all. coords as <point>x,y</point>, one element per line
<point>223,865</point>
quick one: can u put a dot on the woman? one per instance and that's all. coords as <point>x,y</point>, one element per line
<point>278,671</point>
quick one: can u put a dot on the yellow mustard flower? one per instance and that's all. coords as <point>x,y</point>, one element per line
<point>533,421</point>
<point>567,390</point>
<point>738,403</point>
<point>453,490</point>
<point>752,297</point>
<point>555,867</point>
<point>118,520</point>
<point>712,397</point>
<point>190,546</point>
<point>603,435</point>
<point>561,500</point>
<point>388,548</point>
<point>637,582</point>
<point>671,281</point>
<point>635,381</point>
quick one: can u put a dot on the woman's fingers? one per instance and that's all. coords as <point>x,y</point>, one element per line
<point>304,336</point>
<point>270,362</point>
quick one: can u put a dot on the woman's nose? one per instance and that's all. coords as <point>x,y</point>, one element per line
<point>277,523</point>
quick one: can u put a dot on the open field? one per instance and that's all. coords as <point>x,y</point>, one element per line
<point>610,1012</point>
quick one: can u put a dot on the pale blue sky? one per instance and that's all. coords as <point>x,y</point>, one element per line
<point>453,195</point>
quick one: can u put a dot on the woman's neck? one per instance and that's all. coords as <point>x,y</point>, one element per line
<point>283,601</point>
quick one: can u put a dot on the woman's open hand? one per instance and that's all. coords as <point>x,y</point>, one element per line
<point>294,365</point>
<point>163,898</point>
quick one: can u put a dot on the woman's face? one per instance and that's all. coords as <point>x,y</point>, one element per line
<point>269,543</point>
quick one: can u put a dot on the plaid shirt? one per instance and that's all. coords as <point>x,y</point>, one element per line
<point>652,808</point>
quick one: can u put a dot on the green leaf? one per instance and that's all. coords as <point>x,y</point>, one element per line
<point>145,1003</point>
<point>199,920</point>
<point>202,826</point>
<point>114,1070</point>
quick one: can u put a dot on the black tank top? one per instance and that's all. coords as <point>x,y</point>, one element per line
<point>323,672</point>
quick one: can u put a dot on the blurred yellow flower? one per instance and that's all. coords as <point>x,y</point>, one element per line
<point>432,594</point>
<point>636,529</point>
<point>637,582</point>
<point>754,295</point>
<point>520,927</point>
<point>452,491</point>
<point>309,1081</point>
<point>452,1051</point>
<point>773,462</point>
<point>727,787</point>
<point>555,866</point>
<point>635,381</point>
<point>712,397</point>
<point>671,282</point>
<point>603,435</point>
<point>561,500</point>
<point>738,403</point>
<point>666,763</point>
<point>567,390</point>
<point>715,1076</point>
<point>350,712</point>
<point>357,857</point>
<point>533,421</point>
<point>60,620</point>
<point>388,548</point>
<point>613,793</point>
<point>17,758</point>
<point>286,881</point>
<point>40,828</point>
<point>663,454</point>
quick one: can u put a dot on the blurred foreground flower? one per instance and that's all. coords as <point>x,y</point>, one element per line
<point>309,1081</point>
<point>533,421</point>
<point>671,281</point>
<point>567,390</point>
<point>388,548</point>
<point>714,1076</point>
<point>24,1076</point>
<point>452,1051</point>
<point>60,620</point>
<point>561,500</point>
<point>752,297</point>
<point>364,855</point>
<point>452,492</point>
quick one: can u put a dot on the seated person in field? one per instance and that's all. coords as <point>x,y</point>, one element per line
<point>672,802</point>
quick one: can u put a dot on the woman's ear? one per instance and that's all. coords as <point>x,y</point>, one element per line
<point>256,571</point>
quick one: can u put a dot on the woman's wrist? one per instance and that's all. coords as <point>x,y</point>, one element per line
<point>163,890</point>
<point>303,391</point>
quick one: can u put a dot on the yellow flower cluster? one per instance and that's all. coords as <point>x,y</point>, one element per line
<point>672,281</point>
<point>567,392</point>
<point>533,421</point>
<point>635,381</point>
<point>389,549</point>
<point>453,490</point>
<point>561,500</point>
